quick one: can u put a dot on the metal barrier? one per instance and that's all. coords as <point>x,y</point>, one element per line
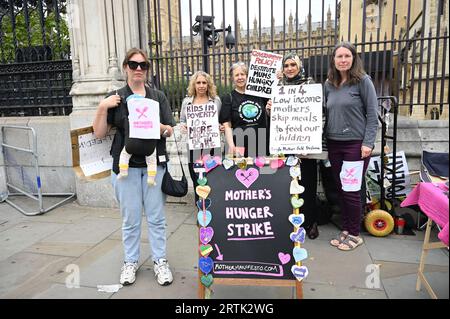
<point>35,196</point>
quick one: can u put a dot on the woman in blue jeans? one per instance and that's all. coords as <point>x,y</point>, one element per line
<point>133,192</point>
<point>351,117</point>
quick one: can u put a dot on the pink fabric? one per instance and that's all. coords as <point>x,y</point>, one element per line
<point>434,203</point>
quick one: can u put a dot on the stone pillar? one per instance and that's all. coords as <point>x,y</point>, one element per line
<point>101,32</point>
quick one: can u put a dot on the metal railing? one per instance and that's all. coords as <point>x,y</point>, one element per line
<point>403,44</point>
<point>37,196</point>
<point>35,65</point>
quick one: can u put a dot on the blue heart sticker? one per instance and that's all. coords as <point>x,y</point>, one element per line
<point>200,203</point>
<point>300,272</point>
<point>204,218</point>
<point>205,264</point>
<point>296,219</point>
<point>299,254</point>
<point>298,236</point>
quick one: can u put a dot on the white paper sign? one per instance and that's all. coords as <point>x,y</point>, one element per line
<point>144,118</point>
<point>94,153</point>
<point>203,126</point>
<point>296,120</point>
<point>351,175</point>
<point>402,178</point>
<point>262,78</point>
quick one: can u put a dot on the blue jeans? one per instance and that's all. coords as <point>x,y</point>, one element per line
<point>134,196</point>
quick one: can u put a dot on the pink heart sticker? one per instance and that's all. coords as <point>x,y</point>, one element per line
<point>247,177</point>
<point>284,258</point>
<point>279,163</point>
<point>260,161</point>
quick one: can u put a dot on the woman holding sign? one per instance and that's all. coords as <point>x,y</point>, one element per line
<point>292,75</point>
<point>351,109</point>
<point>133,193</point>
<point>198,116</point>
<point>243,117</point>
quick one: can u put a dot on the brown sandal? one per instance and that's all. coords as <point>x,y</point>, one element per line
<point>350,243</point>
<point>335,242</point>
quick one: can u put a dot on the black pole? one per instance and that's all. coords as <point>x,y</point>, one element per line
<point>205,52</point>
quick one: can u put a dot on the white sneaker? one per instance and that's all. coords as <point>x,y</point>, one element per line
<point>162,272</point>
<point>128,273</point>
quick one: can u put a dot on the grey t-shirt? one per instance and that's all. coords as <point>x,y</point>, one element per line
<point>351,112</point>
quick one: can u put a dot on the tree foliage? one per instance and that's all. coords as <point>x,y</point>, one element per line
<point>47,30</point>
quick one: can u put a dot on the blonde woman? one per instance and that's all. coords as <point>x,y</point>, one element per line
<point>201,91</point>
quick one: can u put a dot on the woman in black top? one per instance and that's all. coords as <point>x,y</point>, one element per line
<point>244,117</point>
<point>292,75</point>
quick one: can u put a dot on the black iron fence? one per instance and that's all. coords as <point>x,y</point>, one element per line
<point>35,65</point>
<point>403,44</point>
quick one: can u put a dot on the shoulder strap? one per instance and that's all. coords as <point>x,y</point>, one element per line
<point>178,152</point>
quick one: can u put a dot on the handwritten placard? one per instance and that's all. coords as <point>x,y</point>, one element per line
<point>144,118</point>
<point>402,176</point>
<point>262,78</point>
<point>251,223</point>
<point>203,126</point>
<point>90,155</point>
<point>296,120</point>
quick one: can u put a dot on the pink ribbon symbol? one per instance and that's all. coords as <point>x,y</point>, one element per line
<point>142,112</point>
<point>350,171</point>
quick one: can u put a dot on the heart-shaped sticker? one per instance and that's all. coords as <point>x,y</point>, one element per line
<point>292,161</point>
<point>200,203</point>
<point>298,236</point>
<point>203,191</point>
<point>198,167</point>
<point>295,172</point>
<point>284,258</point>
<point>296,188</point>
<point>296,202</point>
<point>299,254</point>
<point>205,250</point>
<point>227,163</point>
<point>206,234</point>
<point>204,218</point>
<point>202,181</point>
<point>247,177</point>
<point>260,161</point>
<point>296,219</point>
<point>211,162</point>
<point>207,281</point>
<point>300,272</point>
<point>277,163</point>
<point>205,264</point>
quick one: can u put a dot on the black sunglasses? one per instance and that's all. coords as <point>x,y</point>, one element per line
<point>134,65</point>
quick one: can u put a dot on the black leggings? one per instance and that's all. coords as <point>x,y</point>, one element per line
<point>308,168</point>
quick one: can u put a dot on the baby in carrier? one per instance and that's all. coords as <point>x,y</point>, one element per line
<point>139,147</point>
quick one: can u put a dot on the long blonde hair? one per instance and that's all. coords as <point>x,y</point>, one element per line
<point>212,90</point>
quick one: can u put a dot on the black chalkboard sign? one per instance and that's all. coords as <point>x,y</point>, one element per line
<point>251,225</point>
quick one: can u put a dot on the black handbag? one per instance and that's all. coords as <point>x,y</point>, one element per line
<point>171,186</point>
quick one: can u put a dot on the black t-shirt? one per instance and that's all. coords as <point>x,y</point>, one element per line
<point>246,112</point>
<point>118,115</point>
<point>243,110</point>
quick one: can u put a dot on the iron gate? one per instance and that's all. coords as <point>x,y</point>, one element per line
<point>403,44</point>
<point>35,65</point>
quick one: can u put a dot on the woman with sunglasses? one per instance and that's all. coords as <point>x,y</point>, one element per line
<point>244,117</point>
<point>292,74</point>
<point>133,193</point>
<point>201,91</point>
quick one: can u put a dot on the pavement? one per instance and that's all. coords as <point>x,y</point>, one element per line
<point>69,251</point>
